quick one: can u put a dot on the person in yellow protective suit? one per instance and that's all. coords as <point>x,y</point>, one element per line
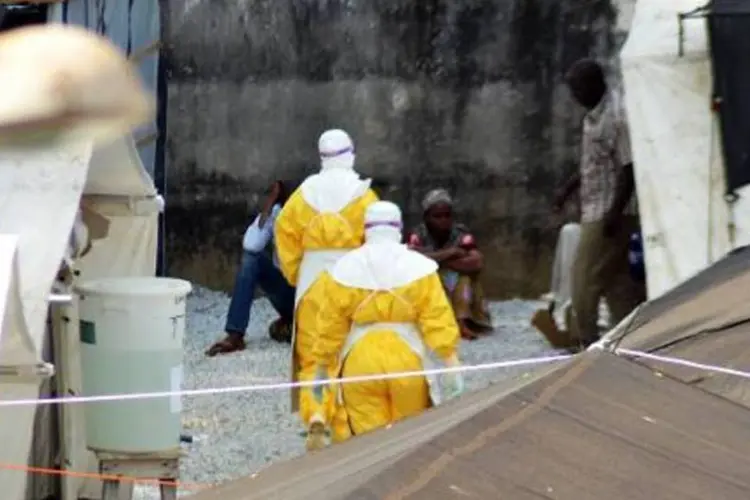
<point>321,221</point>
<point>383,309</point>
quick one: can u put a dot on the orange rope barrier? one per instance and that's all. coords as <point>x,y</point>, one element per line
<point>102,477</point>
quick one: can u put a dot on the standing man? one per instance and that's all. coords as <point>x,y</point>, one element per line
<point>609,211</point>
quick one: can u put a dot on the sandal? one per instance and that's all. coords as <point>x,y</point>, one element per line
<point>466,332</point>
<point>231,343</point>
<point>480,328</point>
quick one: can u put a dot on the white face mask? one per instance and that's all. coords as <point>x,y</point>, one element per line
<point>383,231</point>
<point>336,150</point>
<point>343,161</point>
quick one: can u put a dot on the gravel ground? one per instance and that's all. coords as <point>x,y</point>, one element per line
<point>238,434</point>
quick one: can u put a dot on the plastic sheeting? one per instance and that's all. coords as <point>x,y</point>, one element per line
<point>17,344</point>
<point>128,250</point>
<point>598,427</point>
<point>686,223</point>
<point>39,196</point>
<point>562,271</point>
<point>118,186</point>
<point>561,291</point>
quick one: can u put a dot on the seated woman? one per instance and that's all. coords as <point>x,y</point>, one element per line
<point>453,247</point>
<point>258,268</point>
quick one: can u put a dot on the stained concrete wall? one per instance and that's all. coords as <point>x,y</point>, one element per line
<point>464,94</point>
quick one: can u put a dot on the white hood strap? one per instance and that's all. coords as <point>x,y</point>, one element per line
<point>396,295</point>
<point>326,155</point>
<point>380,288</point>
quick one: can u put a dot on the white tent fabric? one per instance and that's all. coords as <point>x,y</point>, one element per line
<point>39,197</point>
<point>119,188</point>
<point>17,349</point>
<point>675,139</point>
<point>131,181</point>
<point>17,345</point>
<point>128,250</point>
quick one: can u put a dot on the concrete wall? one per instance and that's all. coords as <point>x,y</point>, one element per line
<point>464,94</point>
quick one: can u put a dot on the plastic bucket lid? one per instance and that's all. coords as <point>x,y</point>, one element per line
<point>136,286</point>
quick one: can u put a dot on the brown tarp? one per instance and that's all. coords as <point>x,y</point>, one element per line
<point>734,265</point>
<point>319,475</point>
<point>597,427</point>
<point>602,428</point>
<point>706,320</point>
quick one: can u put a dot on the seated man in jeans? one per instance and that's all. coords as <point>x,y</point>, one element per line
<point>258,269</point>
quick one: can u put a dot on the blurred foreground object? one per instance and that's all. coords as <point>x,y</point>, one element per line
<point>64,84</point>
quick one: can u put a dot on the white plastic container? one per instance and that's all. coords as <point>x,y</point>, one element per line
<point>131,333</point>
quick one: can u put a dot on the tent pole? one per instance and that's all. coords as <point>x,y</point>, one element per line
<point>160,174</point>
<point>59,331</point>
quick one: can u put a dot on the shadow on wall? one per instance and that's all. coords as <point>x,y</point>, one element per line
<point>465,94</point>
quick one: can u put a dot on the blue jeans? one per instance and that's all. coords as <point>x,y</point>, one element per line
<point>257,269</point>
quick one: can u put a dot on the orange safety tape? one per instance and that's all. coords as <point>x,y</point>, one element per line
<point>102,477</point>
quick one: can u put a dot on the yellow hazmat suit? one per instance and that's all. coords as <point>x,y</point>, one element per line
<point>321,221</point>
<point>300,228</point>
<point>381,308</point>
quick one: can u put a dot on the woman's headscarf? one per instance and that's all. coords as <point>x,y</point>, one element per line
<point>435,197</point>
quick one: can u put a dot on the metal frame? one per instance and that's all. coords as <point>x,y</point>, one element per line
<point>160,174</point>
<point>160,465</point>
<point>699,13</point>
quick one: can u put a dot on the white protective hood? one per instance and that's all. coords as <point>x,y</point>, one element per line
<point>337,184</point>
<point>331,190</point>
<point>382,263</point>
<point>382,266</point>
